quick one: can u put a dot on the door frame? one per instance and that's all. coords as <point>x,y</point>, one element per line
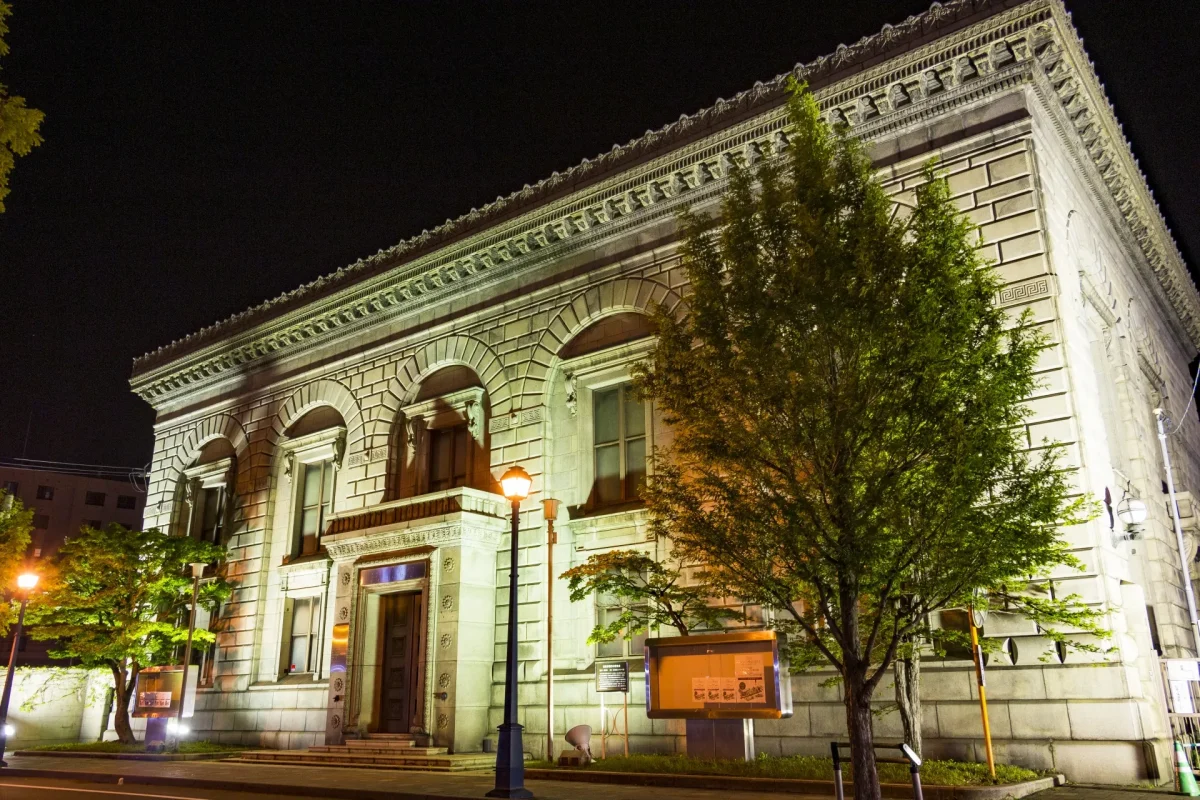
<point>359,640</point>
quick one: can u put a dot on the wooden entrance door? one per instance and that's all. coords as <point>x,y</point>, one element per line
<point>400,691</point>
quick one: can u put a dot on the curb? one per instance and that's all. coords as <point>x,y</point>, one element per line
<point>791,785</point>
<point>131,756</point>
<point>341,793</point>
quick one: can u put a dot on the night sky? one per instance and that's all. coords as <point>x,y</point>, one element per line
<point>201,157</point>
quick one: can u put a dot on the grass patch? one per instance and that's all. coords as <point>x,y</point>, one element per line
<point>939,773</point>
<point>117,747</point>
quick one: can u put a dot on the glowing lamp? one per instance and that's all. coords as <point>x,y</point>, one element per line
<point>9,730</point>
<point>1131,511</point>
<point>516,483</point>
<point>27,581</point>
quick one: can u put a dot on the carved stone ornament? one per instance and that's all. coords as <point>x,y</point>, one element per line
<point>190,488</point>
<point>346,578</point>
<point>416,427</point>
<point>572,394</point>
<point>447,602</point>
<point>443,721</point>
<point>448,564</point>
<point>339,451</point>
<point>335,721</point>
<point>443,680</point>
<point>289,464</point>
<point>445,641</point>
<point>474,416</point>
<point>338,685</point>
<point>344,613</point>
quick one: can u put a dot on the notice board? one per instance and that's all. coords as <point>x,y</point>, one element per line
<point>739,675</point>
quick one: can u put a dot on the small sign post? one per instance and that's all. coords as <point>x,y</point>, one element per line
<point>613,677</point>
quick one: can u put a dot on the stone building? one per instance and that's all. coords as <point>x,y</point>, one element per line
<point>345,439</point>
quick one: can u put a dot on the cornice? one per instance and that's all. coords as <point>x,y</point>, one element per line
<point>956,53</point>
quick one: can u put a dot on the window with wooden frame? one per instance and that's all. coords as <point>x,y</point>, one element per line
<point>314,504</point>
<point>302,628</point>
<point>619,445</point>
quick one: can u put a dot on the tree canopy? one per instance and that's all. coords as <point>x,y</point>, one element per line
<point>18,123</point>
<point>118,601</point>
<point>847,402</point>
<point>650,595</point>
<point>16,522</point>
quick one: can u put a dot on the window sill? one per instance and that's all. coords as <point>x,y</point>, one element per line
<point>596,512</point>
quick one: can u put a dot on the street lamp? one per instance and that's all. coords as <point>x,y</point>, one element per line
<point>25,586</point>
<point>510,755</point>
<point>197,573</point>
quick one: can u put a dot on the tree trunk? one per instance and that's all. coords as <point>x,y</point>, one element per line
<point>122,694</point>
<point>862,739</point>
<point>907,672</point>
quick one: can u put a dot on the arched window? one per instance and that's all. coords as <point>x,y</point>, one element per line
<point>444,434</point>
<point>312,449</point>
<point>207,492</point>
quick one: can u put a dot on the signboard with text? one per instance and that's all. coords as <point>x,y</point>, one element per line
<point>612,676</point>
<point>737,675</point>
<point>158,690</point>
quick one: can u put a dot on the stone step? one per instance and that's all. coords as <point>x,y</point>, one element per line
<point>436,763</point>
<point>379,749</point>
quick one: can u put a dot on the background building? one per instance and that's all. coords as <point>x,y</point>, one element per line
<point>65,497</point>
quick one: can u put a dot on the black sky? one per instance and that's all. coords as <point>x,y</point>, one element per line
<point>202,156</point>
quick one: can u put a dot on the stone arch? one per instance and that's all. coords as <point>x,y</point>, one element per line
<point>206,430</point>
<point>323,392</point>
<point>615,296</point>
<point>466,351</point>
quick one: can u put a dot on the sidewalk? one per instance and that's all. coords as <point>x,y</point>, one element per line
<point>344,783</point>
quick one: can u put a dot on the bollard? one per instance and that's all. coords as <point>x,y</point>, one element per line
<point>838,791</point>
<point>914,769</point>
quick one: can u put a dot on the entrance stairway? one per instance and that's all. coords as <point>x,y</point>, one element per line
<point>375,751</point>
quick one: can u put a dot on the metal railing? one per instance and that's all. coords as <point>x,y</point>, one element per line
<point>909,757</point>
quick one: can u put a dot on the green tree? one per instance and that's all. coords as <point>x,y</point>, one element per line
<point>648,593</point>
<point>847,405</point>
<point>16,522</point>
<point>18,124</point>
<point>119,600</point>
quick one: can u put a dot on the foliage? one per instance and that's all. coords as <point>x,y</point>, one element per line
<point>52,686</point>
<point>119,600</point>
<point>18,123</point>
<point>16,522</point>
<point>116,747</point>
<point>649,594</point>
<point>847,403</point>
<point>933,773</point>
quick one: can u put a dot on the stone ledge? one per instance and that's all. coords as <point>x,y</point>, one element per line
<point>792,786</point>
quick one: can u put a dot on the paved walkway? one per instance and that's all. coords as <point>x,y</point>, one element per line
<point>375,784</point>
<point>346,783</point>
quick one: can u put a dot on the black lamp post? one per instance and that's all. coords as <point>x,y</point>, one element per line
<point>25,585</point>
<point>510,756</point>
<point>197,574</point>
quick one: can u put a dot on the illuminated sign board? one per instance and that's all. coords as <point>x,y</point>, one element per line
<point>738,675</point>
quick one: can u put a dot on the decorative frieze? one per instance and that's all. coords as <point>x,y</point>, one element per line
<point>877,99</point>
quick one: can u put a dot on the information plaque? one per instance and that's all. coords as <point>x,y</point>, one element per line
<point>158,690</point>
<point>738,675</point>
<point>612,676</point>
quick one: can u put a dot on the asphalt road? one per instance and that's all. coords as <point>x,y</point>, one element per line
<point>40,788</point>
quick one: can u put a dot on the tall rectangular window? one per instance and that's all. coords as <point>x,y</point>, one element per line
<point>306,623</point>
<point>619,439</point>
<point>210,514</point>
<point>93,498</point>
<point>11,487</point>
<point>45,493</point>
<point>126,501</point>
<point>448,449</point>
<point>41,521</point>
<point>316,499</point>
<point>607,612</point>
